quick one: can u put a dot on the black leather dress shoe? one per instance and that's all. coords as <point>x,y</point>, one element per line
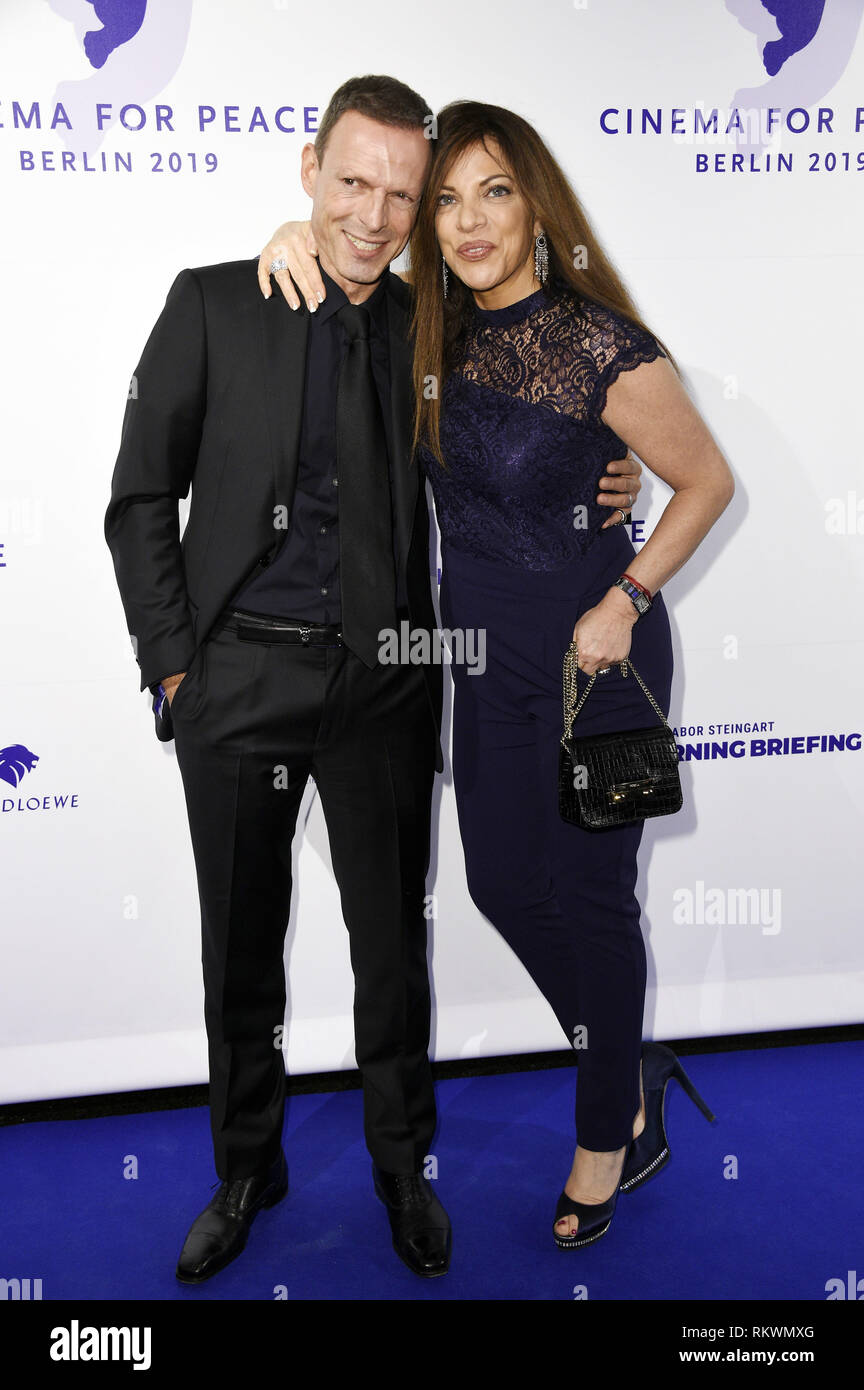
<point>219,1234</point>
<point>420,1225</point>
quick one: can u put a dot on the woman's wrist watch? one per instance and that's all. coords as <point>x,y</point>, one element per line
<point>639,596</point>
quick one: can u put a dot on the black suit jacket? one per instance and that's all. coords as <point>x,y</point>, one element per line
<point>216,404</point>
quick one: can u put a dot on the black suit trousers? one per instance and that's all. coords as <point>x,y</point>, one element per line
<point>253,721</point>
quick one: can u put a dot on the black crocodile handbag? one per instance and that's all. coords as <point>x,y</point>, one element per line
<point>614,779</point>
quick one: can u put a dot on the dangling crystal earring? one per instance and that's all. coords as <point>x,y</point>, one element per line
<point>444,275</point>
<point>541,258</point>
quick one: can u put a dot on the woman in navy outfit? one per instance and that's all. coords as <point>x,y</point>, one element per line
<point>547,373</point>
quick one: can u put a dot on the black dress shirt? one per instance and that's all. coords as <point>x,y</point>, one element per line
<point>303,579</point>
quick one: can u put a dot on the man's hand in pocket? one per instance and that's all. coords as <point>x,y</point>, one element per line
<point>170,684</point>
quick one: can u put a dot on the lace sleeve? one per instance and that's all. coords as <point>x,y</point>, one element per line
<point>616,345</point>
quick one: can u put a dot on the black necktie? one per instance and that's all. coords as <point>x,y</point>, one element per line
<point>366,569</point>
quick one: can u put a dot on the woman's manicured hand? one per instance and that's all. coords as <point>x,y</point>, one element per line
<point>294,243</point>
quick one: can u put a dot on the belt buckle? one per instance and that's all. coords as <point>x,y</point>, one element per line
<point>305,633</point>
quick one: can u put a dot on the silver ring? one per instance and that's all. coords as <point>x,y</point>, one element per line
<point>624,516</point>
<point>603,670</point>
<point>279,264</point>
<point>630,499</point>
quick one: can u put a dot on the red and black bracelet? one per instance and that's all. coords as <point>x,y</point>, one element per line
<point>641,587</point>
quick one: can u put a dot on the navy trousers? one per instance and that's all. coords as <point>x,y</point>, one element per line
<point>563,898</point>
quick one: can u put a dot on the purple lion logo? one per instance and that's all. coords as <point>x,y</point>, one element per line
<point>14,762</point>
<point>121,20</point>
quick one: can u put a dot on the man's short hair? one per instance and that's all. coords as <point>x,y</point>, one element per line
<point>383,99</point>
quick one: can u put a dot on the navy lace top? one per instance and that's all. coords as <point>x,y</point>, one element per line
<point>521,432</point>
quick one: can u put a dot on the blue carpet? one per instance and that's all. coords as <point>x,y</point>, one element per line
<point>791,1220</point>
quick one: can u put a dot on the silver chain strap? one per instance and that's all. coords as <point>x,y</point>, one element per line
<point>571,687</point>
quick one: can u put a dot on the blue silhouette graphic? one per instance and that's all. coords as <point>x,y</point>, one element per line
<point>131,59</point>
<point>818,38</point>
<point>121,20</point>
<point>14,762</point>
<point>797,21</point>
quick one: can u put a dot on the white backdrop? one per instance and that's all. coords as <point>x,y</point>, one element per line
<point>751,896</point>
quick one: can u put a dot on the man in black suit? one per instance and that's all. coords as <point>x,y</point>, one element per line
<point>258,634</point>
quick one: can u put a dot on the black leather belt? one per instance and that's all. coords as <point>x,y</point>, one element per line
<point>249,627</point>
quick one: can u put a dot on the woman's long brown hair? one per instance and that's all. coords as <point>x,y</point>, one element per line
<point>439,325</point>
